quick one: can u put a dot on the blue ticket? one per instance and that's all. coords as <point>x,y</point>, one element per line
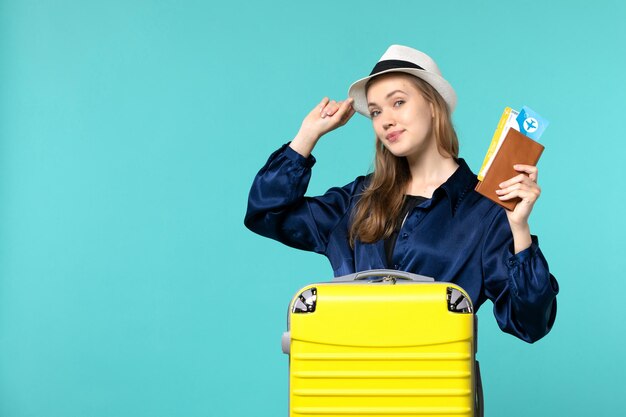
<point>531,123</point>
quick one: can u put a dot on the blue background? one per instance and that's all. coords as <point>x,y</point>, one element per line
<point>130,132</point>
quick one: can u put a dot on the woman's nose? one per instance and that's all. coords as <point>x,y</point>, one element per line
<point>387,123</point>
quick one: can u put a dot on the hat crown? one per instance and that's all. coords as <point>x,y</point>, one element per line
<point>403,59</point>
<point>405,53</point>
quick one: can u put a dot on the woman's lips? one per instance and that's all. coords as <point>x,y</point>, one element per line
<point>393,136</point>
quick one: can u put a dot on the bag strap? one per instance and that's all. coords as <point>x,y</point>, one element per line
<point>383,275</point>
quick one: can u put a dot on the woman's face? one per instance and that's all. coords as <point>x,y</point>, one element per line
<point>401,116</point>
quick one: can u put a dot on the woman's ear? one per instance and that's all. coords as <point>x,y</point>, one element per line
<point>432,110</point>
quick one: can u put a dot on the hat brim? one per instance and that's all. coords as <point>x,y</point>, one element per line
<point>357,89</point>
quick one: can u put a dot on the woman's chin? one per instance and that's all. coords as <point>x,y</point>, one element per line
<point>401,149</point>
<point>398,150</point>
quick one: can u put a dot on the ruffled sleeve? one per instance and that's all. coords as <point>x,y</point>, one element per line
<point>521,287</point>
<point>278,208</point>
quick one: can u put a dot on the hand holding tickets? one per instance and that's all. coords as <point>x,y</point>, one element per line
<point>512,144</point>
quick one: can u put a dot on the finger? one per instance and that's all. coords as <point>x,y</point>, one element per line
<point>511,188</point>
<point>518,186</point>
<point>351,112</point>
<point>525,195</point>
<point>524,180</point>
<point>344,108</point>
<point>521,178</point>
<point>347,116</point>
<point>511,181</point>
<point>528,195</point>
<point>531,170</point>
<point>322,104</point>
<point>525,186</point>
<point>330,109</point>
<point>337,110</point>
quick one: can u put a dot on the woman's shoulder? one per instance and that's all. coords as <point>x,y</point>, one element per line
<point>356,187</point>
<point>462,189</point>
<point>483,210</point>
<point>479,201</point>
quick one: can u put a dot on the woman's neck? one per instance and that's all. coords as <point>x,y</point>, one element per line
<point>428,171</point>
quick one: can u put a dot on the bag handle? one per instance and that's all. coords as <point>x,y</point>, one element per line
<point>383,275</point>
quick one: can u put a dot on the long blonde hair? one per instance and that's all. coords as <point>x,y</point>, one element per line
<point>376,213</point>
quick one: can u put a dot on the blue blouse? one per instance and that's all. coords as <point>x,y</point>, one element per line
<point>456,236</point>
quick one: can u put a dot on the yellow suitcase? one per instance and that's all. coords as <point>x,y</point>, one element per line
<point>382,343</point>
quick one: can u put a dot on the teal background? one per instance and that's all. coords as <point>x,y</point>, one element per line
<point>130,132</point>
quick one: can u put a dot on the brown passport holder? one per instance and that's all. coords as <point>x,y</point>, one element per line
<point>516,148</point>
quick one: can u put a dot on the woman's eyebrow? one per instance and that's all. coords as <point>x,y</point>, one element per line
<point>387,96</point>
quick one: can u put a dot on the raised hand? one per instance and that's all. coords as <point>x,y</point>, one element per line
<point>525,187</point>
<point>328,115</point>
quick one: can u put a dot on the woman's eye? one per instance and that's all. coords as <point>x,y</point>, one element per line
<point>374,113</point>
<point>398,103</point>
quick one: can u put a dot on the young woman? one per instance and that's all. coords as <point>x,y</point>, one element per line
<point>418,210</point>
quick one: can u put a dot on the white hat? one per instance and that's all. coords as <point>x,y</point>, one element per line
<point>398,58</point>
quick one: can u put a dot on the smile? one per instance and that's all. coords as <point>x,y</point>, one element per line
<point>393,136</point>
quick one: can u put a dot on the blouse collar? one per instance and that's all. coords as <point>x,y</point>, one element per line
<point>458,185</point>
